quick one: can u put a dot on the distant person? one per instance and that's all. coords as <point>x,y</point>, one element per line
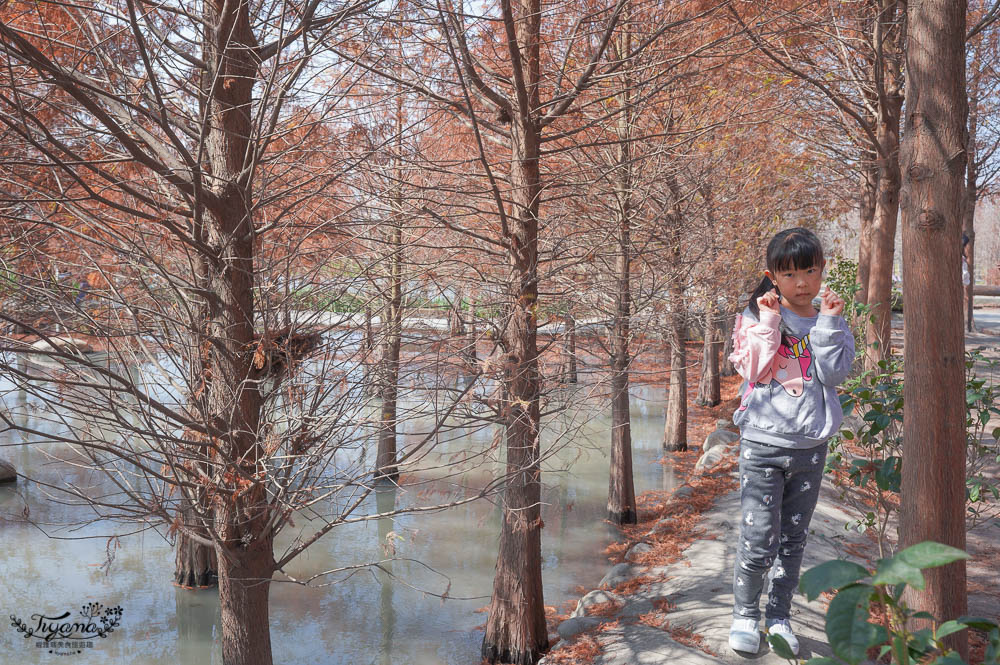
<point>966,276</point>
<point>791,358</point>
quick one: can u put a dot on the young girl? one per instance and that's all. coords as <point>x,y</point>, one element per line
<point>791,358</point>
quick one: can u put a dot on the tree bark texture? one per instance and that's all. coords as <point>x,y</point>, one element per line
<point>889,31</point>
<point>392,329</point>
<point>709,387</point>
<point>675,425</point>
<point>621,487</point>
<point>241,510</point>
<point>570,375</point>
<point>515,628</point>
<point>244,584</point>
<point>194,562</point>
<point>934,163</point>
<point>456,324</point>
<point>469,355</point>
<point>866,213</point>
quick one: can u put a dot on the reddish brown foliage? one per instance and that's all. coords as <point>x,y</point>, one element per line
<point>605,609</point>
<point>684,635</point>
<point>579,651</point>
<point>631,586</point>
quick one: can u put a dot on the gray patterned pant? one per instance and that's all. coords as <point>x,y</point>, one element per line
<point>779,490</point>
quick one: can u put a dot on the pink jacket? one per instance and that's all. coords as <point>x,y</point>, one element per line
<point>754,344</point>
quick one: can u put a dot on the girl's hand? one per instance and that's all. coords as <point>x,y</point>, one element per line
<point>769,301</point>
<point>831,303</point>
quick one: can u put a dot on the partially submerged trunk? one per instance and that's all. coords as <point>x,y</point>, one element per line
<point>934,154</point>
<point>621,487</point>
<point>515,629</point>
<point>244,585</point>
<point>233,402</point>
<point>392,328</point>
<point>194,561</point>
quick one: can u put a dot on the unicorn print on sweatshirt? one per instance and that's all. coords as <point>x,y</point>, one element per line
<point>790,368</point>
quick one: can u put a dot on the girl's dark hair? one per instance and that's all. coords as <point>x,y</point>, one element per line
<point>796,249</point>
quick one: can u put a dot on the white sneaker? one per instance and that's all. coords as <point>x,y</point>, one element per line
<point>744,636</point>
<point>784,628</point>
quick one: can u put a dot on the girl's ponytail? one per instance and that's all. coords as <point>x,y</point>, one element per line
<point>765,285</point>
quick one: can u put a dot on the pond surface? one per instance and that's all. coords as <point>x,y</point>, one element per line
<point>365,618</point>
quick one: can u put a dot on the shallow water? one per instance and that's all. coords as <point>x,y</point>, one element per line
<point>365,618</point>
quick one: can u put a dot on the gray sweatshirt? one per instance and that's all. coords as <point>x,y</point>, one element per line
<point>789,392</point>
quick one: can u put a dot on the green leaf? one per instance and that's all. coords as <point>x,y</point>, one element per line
<point>950,658</point>
<point>920,641</point>
<point>992,656</point>
<point>922,615</point>
<point>929,554</point>
<point>847,625</point>
<point>830,575</point>
<point>780,647</point>
<point>979,623</point>
<point>897,571</point>
<point>949,627</point>
<point>889,476</point>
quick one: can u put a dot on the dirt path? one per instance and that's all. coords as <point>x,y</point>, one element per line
<point>678,609</point>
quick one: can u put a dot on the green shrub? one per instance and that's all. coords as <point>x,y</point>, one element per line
<point>849,628</point>
<point>874,475</point>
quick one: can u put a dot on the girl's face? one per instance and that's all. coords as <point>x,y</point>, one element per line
<point>798,286</point>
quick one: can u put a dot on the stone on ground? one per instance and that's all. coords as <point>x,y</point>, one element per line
<point>7,472</point>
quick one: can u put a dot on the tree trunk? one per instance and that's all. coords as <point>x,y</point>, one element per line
<point>878,330</point>
<point>392,320</point>
<point>241,510</point>
<point>194,563</point>
<point>709,389</point>
<point>244,583</point>
<point>675,427</point>
<point>621,487</point>
<point>866,212</point>
<point>369,341</point>
<point>934,154</point>
<point>456,324</point>
<point>392,328</point>
<point>515,629</point>
<point>570,375</point>
<point>469,354</point>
